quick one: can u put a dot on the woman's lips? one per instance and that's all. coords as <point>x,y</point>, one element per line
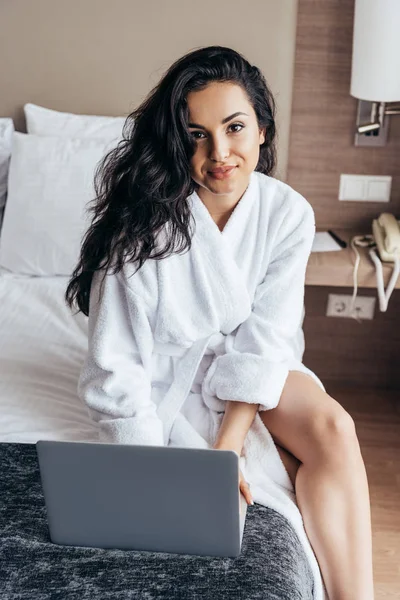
<point>222,174</point>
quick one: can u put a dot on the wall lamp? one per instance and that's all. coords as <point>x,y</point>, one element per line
<point>375,68</point>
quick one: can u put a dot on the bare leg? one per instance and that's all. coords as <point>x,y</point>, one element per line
<point>333,498</point>
<point>330,483</point>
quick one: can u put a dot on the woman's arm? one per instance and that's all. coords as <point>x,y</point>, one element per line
<point>236,423</point>
<point>255,364</point>
<point>115,380</point>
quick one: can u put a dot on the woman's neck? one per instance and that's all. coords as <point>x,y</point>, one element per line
<point>219,207</point>
<point>221,219</point>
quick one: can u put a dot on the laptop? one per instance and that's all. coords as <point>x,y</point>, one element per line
<point>153,498</point>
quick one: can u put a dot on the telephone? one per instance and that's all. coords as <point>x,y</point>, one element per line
<point>385,241</point>
<point>386,235</point>
<point>386,232</point>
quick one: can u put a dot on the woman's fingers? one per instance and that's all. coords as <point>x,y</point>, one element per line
<point>243,485</point>
<point>245,489</point>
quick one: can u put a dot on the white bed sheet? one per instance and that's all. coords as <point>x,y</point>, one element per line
<point>42,349</point>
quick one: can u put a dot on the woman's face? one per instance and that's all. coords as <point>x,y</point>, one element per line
<point>224,125</point>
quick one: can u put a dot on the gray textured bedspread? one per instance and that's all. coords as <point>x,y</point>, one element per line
<point>272,564</point>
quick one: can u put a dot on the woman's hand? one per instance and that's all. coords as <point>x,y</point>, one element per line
<point>232,432</point>
<point>243,485</point>
<point>245,488</point>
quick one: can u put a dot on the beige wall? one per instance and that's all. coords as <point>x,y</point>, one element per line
<point>101,57</point>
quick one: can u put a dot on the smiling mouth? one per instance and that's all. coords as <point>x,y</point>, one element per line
<point>223,170</point>
<point>224,174</point>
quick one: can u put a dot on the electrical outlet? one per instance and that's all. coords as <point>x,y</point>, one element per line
<point>339,306</point>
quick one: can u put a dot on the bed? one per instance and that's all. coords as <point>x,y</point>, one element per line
<point>42,348</point>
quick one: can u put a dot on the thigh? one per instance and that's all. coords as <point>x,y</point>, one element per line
<point>306,418</point>
<point>291,463</point>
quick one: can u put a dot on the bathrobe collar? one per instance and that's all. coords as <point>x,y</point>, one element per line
<point>205,224</point>
<point>219,247</point>
<point>229,302</point>
<point>205,291</point>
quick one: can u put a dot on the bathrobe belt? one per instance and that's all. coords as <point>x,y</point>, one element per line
<point>186,370</point>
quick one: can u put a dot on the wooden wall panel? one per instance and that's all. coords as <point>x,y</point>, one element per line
<point>321,141</point>
<point>321,147</point>
<point>348,352</point>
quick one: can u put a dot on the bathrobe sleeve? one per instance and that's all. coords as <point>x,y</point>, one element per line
<point>115,381</point>
<point>254,366</point>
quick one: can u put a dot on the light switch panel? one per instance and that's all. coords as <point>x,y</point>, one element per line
<point>365,188</point>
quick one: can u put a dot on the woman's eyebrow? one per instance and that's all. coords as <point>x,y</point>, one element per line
<point>223,120</point>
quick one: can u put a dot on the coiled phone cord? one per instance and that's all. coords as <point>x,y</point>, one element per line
<point>384,297</point>
<point>367,241</point>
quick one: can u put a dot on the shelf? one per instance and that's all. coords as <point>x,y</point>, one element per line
<point>336,268</point>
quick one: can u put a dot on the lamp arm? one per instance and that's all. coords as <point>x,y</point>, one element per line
<point>393,110</point>
<point>378,113</point>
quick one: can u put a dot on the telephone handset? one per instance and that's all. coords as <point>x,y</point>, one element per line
<point>386,232</point>
<point>385,240</point>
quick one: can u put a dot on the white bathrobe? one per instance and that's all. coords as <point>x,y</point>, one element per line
<point>171,343</point>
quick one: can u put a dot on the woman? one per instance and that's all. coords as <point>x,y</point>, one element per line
<point>196,343</point>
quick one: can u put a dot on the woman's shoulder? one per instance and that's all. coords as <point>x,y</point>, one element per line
<point>280,193</point>
<point>137,283</point>
<point>280,198</point>
<point>143,281</point>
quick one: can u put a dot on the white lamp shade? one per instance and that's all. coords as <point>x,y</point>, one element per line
<point>375,69</point>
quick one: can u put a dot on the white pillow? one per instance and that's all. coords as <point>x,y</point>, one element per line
<point>6,132</point>
<point>45,121</point>
<point>50,183</point>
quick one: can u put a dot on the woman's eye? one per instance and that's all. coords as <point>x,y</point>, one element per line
<point>194,133</point>
<point>237,125</point>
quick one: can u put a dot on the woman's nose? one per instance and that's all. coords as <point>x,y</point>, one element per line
<point>219,149</point>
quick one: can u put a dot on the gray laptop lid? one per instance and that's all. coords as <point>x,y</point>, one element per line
<point>159,499</point>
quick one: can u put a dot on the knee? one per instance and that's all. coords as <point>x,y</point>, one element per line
<point>340,423</point>
<point>336,429</point>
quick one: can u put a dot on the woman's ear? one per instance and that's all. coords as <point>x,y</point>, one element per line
<point>263,132</point>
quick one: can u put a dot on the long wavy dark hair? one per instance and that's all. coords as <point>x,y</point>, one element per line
<point>144,182</point>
